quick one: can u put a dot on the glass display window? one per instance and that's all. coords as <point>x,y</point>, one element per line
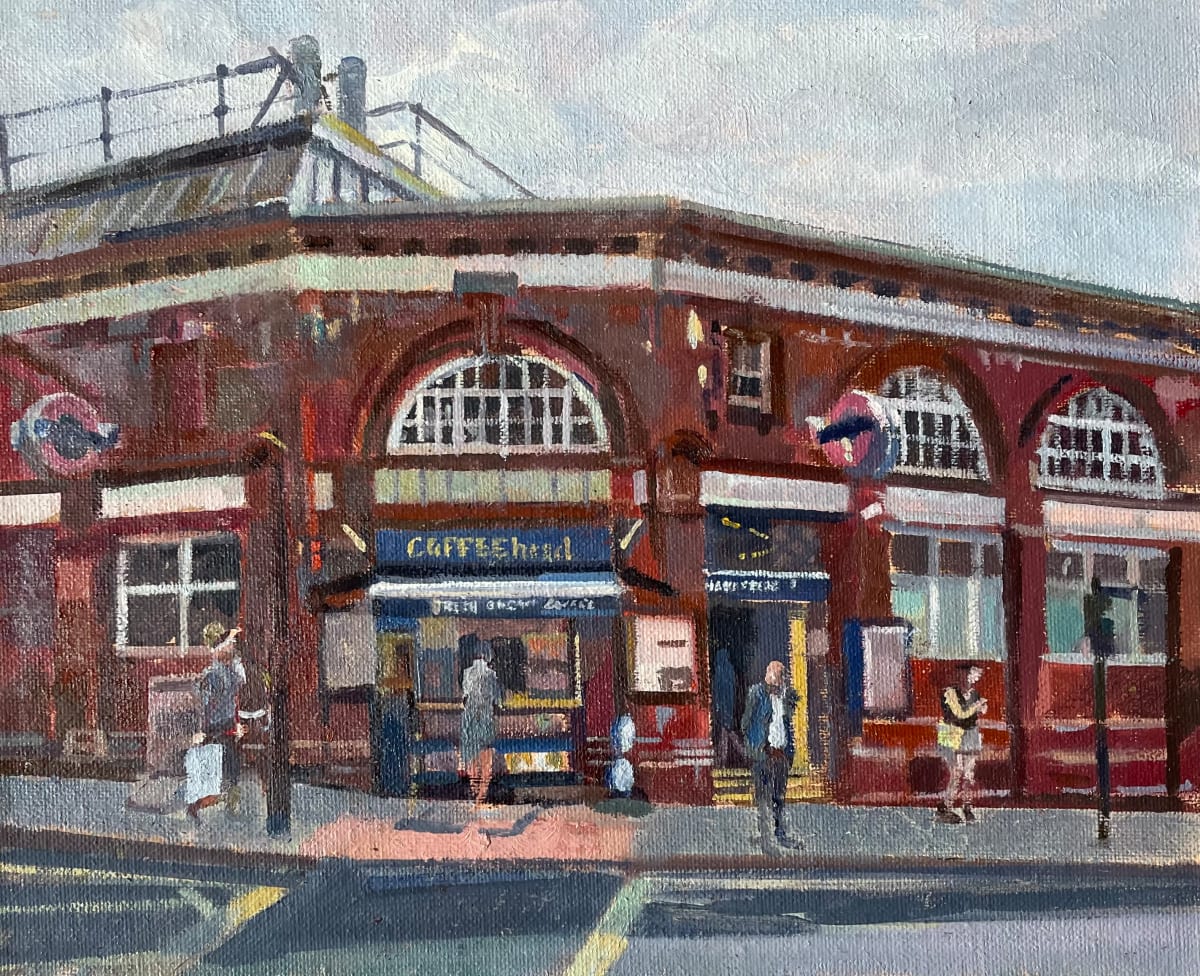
<point>535,660</point>
<point>1134,580</point>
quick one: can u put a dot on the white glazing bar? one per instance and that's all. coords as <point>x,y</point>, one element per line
<point>185,581</point>
<point>122,596</point>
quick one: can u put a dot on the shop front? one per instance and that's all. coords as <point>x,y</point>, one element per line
<point>539,603</point>
<point>1133,557</point>
<point>767,596</point>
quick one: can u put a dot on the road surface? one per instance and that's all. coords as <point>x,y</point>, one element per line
<point>62,914</point>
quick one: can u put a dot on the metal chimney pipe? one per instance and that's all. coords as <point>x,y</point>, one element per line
<point>352,93</point>
<point>305,55</point>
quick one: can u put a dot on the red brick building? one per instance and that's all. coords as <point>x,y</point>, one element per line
<point>376,427</point>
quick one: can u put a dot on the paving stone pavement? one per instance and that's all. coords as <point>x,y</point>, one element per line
<point>349,824</point>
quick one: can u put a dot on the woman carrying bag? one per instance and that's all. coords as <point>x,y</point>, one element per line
<point>960,743</point>
<point>218,688</point>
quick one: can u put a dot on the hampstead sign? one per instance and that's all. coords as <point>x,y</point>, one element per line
<point>470,551</point>
<point>767,586</point>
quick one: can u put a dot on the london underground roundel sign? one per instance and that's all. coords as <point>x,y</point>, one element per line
<point>861,434</point>
<point>62,433</point>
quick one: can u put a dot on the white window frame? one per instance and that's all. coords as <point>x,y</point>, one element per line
<point>183,588</point>
<point>448,403</point>
<point>930,645</point>
<point>1133,555</point>
<point>737,341</point>
<point>1091,412</point>
<point>942,419</point>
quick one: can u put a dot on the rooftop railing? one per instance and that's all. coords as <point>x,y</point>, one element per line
<point>50,142</point>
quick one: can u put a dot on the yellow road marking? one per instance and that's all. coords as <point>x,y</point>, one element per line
<point>608,940</point>
<point>599,954</point>
<point>245,907</point>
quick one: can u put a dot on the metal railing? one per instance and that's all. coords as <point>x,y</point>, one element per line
<point>204,106</point>
<point>103,108</point>
<point>439,157</point>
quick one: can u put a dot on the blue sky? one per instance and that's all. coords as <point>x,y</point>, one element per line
<point>1062,137</point>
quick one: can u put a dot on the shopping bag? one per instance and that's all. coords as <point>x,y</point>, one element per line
<point>203,766</point>
<point>949,736</point>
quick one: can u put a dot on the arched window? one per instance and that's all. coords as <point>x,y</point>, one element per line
<point>499,404</point>
<point>1099,443</point>
<point>938,434</point>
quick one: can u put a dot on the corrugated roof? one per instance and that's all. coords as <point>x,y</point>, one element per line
<point>296,164</point>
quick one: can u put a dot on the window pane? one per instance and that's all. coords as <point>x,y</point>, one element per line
<point>954,631</point>
<point>1094,440</point>
<point>993,560</point>
<point>747,386</point>
<point>910,554</point>
<point>1152,622</point>
<point>909,603</point>
<point>510,661</point>
<point>548,665</point>
<point>747,356</point>
<point>1065,566</point>
<point>1064,620</point>
<point>153,621</point>
<point>954,558</point>
<point>1124,615</point>
<point>153,564</point>
<point>1153,573</point>
<point>208,607</point>
<point>1112,570</point>
<point>991,619</point>
<point>437,671</point>
<point>215,560</point>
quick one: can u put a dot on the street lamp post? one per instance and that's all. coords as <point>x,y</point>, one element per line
<point>1099,629</point>
<point>267,600</point>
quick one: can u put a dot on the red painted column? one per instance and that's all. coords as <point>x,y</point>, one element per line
<point>1025,555</point>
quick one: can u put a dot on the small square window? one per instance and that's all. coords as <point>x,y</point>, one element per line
<point>1152,573</point>
<point>749,373</point>
<point>168,591</point>
<point>205,607</point>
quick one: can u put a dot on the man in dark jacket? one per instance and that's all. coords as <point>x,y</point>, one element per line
<point>768,728</point>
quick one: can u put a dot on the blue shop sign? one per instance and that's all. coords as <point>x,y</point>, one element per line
<point>767,586</point>
<point>454,552</point>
